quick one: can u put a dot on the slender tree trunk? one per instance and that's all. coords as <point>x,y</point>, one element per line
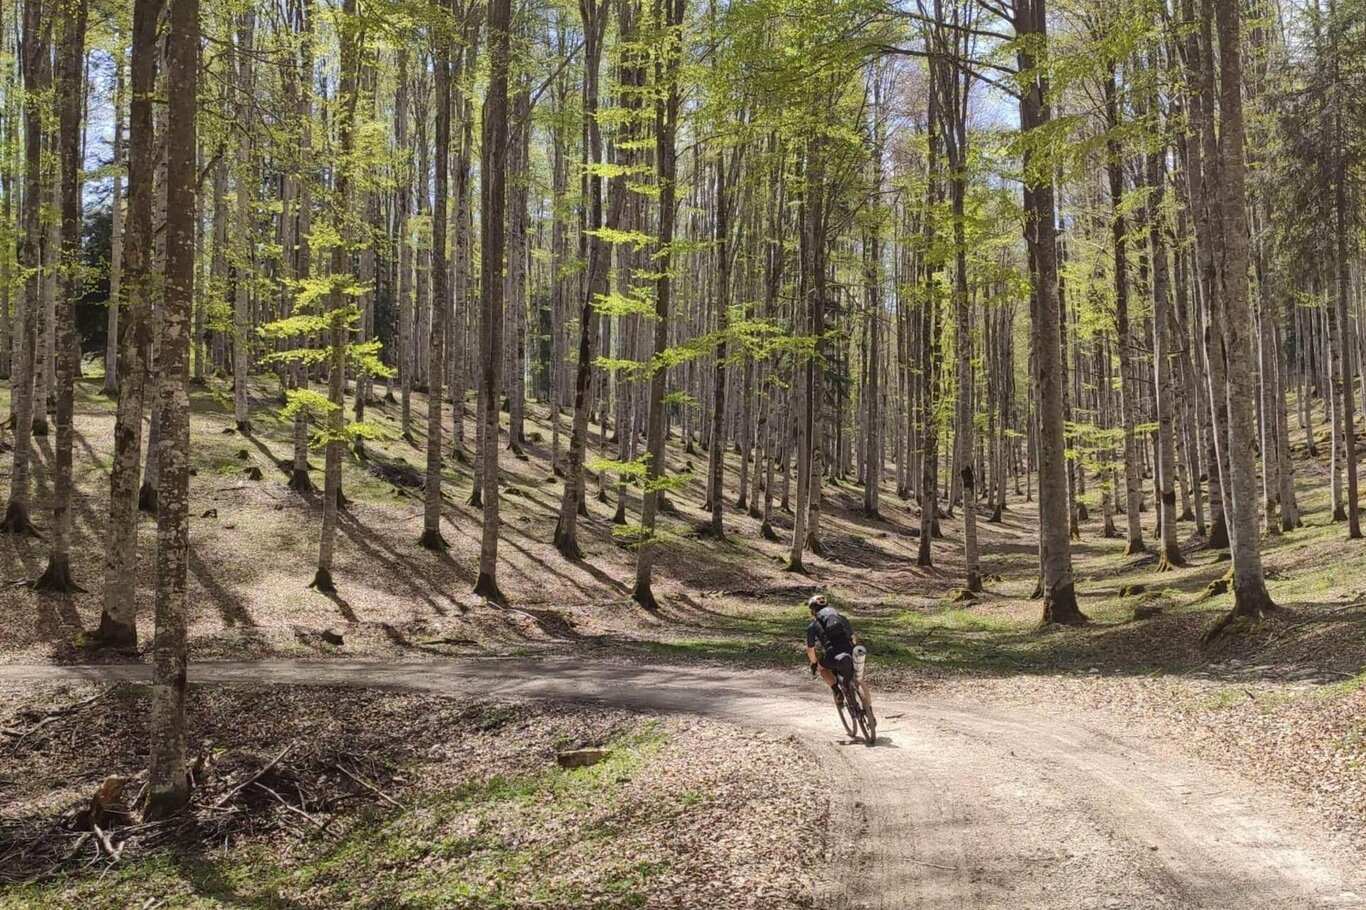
<point>1060,599</point>
<point>669,15</point>
<point>111,347</point>
<point>168,779</point>
<point>432,538</point>
<point>241,307</point>
<point>36,64</point>
<point>493,237</point>
<point>70,92</point>
<point>118,620</point>
<point>1166,447</point>
<point>340,313</point>
<point>402,204</point>
<point>717,461</point>
<point>594,248</point>
<point>1128,380</point>
<point>1249,587</point>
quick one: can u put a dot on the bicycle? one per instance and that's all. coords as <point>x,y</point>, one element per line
<point>855,710</point>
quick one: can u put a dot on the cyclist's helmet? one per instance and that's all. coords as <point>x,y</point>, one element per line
<point>816,603</point>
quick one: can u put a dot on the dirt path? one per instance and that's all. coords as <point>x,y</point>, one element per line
<point>959,805</point>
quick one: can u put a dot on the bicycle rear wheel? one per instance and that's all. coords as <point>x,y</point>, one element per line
<point>847,714</point>
<point>862,716</point>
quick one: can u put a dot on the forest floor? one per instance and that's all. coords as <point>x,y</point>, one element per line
<point>1278,708</point>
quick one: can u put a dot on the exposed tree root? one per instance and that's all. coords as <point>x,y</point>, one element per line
<point>112,636</point>
<point>433,540</point>
<point>244,427</point>
<point>963,595</point>
<point>476,499</point>
<point>1171,560</point>
<point>1218,535</point>
<point>1060,607</point>
<point>795,566</point>
<point>300,482</point>
<point>487,587</point>
<point>1135,546</point>
<point>56,578</point>
<point>643,595</point>
<point>570,550</point>
<point>1244,617</point>
<point>322,582</point>
<point>17,521</point>
<point>767,533</point>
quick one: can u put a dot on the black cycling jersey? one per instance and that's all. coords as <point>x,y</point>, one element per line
<point>832,631</point>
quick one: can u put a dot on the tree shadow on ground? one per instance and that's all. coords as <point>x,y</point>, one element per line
<point>397,566</point>
<point>231,606</point>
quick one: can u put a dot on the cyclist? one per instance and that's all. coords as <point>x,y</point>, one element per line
<point>836,638</point>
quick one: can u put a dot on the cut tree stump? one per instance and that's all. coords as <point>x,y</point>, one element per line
<point>106,806</point>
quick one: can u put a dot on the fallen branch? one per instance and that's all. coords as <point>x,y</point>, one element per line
<point>112,851</point>
<point>292,808</point>
<point>50,717</point>
<point>223,801</point>
<point>372,788</point>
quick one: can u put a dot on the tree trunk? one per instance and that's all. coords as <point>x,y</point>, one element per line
<point>1060,599</point>
<point>36,62</point>
<point>592,247</point>
<point>168,779</point>
<point>1249,587</point>
<point>432,538</point>
<point>241,307</point>
<point>111,344</point>
<point>1161,286</point>
<point>118,620</point>
<point>670,14</point>
<point>70,92</point>
<point>493,236</point>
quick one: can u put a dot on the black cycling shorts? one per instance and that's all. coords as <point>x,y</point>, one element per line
<point>839,664</point>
